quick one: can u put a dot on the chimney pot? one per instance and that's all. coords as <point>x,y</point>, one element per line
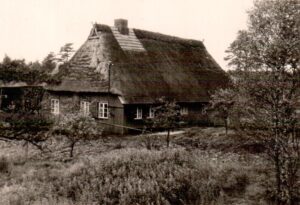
<point>122,26</point>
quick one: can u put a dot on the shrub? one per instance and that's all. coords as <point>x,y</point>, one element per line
<point>32,128</point>
<point>139,176</point>
<point>150,141</point>
<point>77,127</point>
<point>130,176</point>
<point>234,182</point>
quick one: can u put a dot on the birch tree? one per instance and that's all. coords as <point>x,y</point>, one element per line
<point>267,55</point>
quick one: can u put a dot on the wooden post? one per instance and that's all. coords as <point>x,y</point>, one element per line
<point>0,98</point>
<point>109,73</point>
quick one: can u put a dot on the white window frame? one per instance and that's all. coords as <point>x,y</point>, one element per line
<point>151,112</point>
<point>85,107</point>
<point>184,110</point>
<point>54,104</point>
<point>103,110</point>
<point>139,113</point>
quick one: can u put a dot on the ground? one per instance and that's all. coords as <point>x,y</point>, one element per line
<point>202,166</point>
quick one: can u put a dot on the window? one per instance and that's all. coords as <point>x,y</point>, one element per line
<point>139,113</point>
<point>85,108</point>
<point>103,110</point>
<point>184,110</point>
<point>151,112</point>
<point>55,106</point>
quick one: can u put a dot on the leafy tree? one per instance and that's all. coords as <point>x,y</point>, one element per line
<point>28,127</point>
<point>221,105</point>
<point>35,66</point>
<point>76,128</point>
<point>48,64</point>
<point>166,116</point>
<point>6,60</point>
<point>17,70</point>
<point>267,57</point>
<point>65,52</point>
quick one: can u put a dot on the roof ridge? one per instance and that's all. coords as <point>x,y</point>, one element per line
<point>141,33</point>
<point>171,66</point>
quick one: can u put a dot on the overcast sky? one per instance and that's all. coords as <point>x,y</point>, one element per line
<point>31,29</point>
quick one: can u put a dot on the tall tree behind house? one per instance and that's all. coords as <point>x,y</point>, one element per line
<point>267,56</point>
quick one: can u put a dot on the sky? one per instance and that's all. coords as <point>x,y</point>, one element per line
<point>33,28</point>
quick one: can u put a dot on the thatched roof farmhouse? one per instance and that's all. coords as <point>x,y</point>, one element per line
<point>119,73</point>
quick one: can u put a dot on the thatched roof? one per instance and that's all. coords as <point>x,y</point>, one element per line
<point>12,84</point>
<point>161,66</point>
<point>18,84</point>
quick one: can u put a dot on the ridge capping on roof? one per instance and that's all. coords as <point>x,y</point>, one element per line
<point>144,34</point>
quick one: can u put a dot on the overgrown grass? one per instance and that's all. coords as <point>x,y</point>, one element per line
<point>124,171</point>
<point>216,139</point>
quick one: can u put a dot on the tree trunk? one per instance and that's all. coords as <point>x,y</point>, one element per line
<point>72,149</point>
<point>168,138</point>
<point>277,170</point>
<point>226,126</point>
<point>26,151</point>
<point>286,194</point>
<point>283,176</point>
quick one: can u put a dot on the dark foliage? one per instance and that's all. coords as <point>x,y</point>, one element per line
<point>19,71</point>
<point>166,116</point>
<point>266,57</point>
<point>28,127</point>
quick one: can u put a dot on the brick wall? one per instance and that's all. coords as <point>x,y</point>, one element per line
<point>70,103</point>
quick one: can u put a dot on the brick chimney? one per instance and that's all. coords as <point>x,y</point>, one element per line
<point>122,26</point>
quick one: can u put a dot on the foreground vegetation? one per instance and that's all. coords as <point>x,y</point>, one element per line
<point>114,170</point>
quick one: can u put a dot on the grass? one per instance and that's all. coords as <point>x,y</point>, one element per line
<point>121,170</point>
<point>215,139</point>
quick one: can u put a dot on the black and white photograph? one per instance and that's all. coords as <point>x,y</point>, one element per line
<point>149,102</point>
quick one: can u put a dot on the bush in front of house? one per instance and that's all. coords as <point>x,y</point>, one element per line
<point>77,127</point>
<point>30,128</point>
